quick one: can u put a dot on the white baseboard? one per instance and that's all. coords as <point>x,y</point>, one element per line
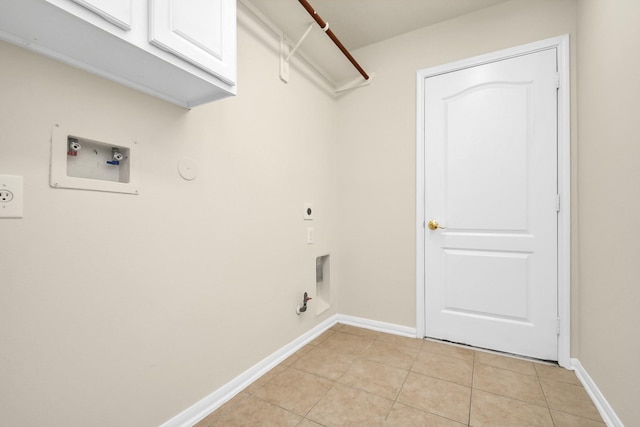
<point>389,328</point>
<point>606,411</point>
<point>210,403</point>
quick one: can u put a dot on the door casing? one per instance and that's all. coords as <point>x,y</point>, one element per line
<point>561,43</point>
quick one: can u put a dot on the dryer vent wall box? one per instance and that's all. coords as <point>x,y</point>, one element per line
<point>88,163</point>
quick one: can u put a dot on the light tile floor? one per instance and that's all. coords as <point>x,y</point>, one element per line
<point>356,377</point>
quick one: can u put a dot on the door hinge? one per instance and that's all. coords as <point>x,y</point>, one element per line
<point>557,80</point>
<point>557,203</point>
<point>557,326</point>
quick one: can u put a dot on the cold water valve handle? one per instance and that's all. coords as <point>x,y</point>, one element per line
<point>117,156</point>
<point>300,310</point>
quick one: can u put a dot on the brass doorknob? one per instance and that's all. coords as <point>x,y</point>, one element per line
<point>433,225</point>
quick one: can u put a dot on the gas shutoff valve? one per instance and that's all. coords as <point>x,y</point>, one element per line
<point>303,308</point>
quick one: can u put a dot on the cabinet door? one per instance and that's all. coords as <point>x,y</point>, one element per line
<point>118,12</point>
<point>201,32</point>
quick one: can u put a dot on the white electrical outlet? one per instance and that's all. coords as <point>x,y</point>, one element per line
<point>6,196</point>
<point>10,196</point>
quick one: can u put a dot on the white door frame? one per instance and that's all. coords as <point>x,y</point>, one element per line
<point>561,43</point>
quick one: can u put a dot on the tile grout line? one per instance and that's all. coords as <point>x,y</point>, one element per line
<point>335,382</point>
<point>290,411</point>
<point>279,406</point>
<point>566,383</point>
<point>473,371</point>
<point>362,359</point>
<point>316,404</point>
<point>305,372</point>
<point>544,395</point>
<point>437,378</point>
<point>395,400</point>
<point>406,378</point>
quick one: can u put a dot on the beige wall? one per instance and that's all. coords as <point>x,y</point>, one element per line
<point>378,140</point>
<point>121,310</point>
<point>609,182</point>
<point>126,310</point>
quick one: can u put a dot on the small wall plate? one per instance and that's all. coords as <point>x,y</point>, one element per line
<point>308,211</point>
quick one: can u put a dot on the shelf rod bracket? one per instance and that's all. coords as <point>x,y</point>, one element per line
<point>286,52</point>
<point>354,84</point>
<point>304,36</point>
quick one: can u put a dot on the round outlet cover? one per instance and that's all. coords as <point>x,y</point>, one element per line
<point>188,169</point>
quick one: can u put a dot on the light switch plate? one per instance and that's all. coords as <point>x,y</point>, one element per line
<point>11,196</point>
<point>308,211</point>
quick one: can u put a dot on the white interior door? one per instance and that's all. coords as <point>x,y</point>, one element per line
<point>491,181</point>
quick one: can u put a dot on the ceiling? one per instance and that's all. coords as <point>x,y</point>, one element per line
<point>358,23</point>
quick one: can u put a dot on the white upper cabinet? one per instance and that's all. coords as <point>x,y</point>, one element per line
<point>183,51</point>
<point>118,12</point>
<point>195,31</point>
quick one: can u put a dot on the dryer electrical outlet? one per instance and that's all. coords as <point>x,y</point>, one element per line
<point>11,195</point>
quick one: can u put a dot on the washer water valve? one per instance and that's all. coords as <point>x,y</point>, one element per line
<point>299,309</point>
<point>117,157</point>
<point>73,147</point>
